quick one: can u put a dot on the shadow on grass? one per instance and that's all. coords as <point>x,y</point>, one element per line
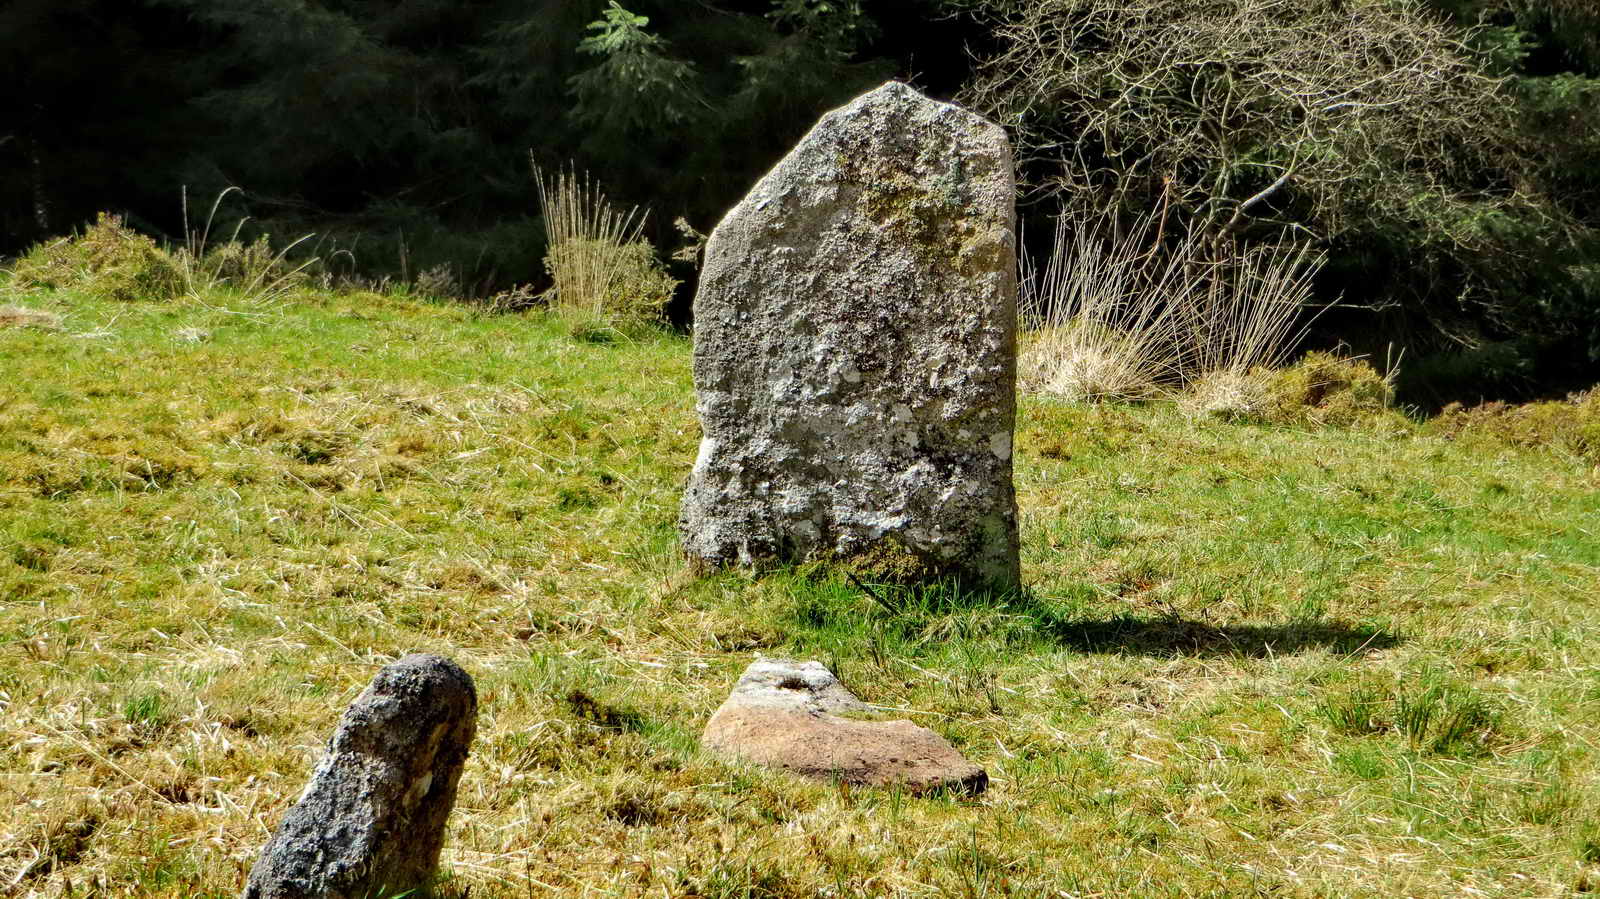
<point>1170,635</point>
<point>1079,625</point>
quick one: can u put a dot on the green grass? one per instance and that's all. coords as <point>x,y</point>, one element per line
<point>1253,659</point>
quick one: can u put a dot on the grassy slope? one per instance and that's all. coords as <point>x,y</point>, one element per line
<point>1255,660</point>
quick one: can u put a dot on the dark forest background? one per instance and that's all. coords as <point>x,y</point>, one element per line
<point>400,132</point>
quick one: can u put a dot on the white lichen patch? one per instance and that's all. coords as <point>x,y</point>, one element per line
<point>1000,445</point>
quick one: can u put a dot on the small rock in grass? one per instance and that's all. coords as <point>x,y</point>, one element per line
<point>793,716</point>
<point>372,820</point>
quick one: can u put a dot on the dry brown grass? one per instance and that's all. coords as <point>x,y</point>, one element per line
<point>1130,314</point>
<point>606,275</point>
<point>1110,312</point>
<point>25,317</point>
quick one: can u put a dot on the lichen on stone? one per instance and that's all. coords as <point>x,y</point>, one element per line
<point>855,353</point>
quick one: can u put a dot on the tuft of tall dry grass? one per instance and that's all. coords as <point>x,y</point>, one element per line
<point>605,274</point>
<point>1109,315</point>
<point>1128,314</point>
<point>1252,311</point>
<point>260,274</point>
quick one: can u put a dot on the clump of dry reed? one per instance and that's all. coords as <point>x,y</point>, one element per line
<point>605,274</point>
<point>1128,313</point>
<point>1108,314</point>
<point>255,271</point>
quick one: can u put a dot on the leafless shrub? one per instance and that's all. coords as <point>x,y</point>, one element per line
<point>439,282</point>
<point>1306,113</point>
<point>514,299</point>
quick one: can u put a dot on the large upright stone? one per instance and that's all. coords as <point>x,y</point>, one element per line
<point>371,822</point>
<point>855,352</point>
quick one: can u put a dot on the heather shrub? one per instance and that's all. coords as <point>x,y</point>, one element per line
<point>108,259</point>
<point>1331,389</point>
<point>254,270</point>
<point>1571,425</point>
<point>1321,389</point>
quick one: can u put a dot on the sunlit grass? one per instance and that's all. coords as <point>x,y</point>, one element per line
<point>1253,658</point>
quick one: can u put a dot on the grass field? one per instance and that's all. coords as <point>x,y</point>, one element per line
<point>1253,660</point>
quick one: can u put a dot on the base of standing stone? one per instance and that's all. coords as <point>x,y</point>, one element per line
<point>882,564</point>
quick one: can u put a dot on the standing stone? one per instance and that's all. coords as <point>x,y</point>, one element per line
<point>797,717</point>
<point>855,352</point>
<point>372,820</point>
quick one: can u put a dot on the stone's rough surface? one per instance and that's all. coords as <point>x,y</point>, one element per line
<point>372,820</point>
<point>855,351</point>
<point>791,715</point>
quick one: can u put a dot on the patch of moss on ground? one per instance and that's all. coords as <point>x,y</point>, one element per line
<point>1571,425</point>
<point>1322,389</point>
<point>108,260</point>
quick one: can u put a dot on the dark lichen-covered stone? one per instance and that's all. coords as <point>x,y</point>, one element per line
<point>372,820</point>
<point>855,351</point>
